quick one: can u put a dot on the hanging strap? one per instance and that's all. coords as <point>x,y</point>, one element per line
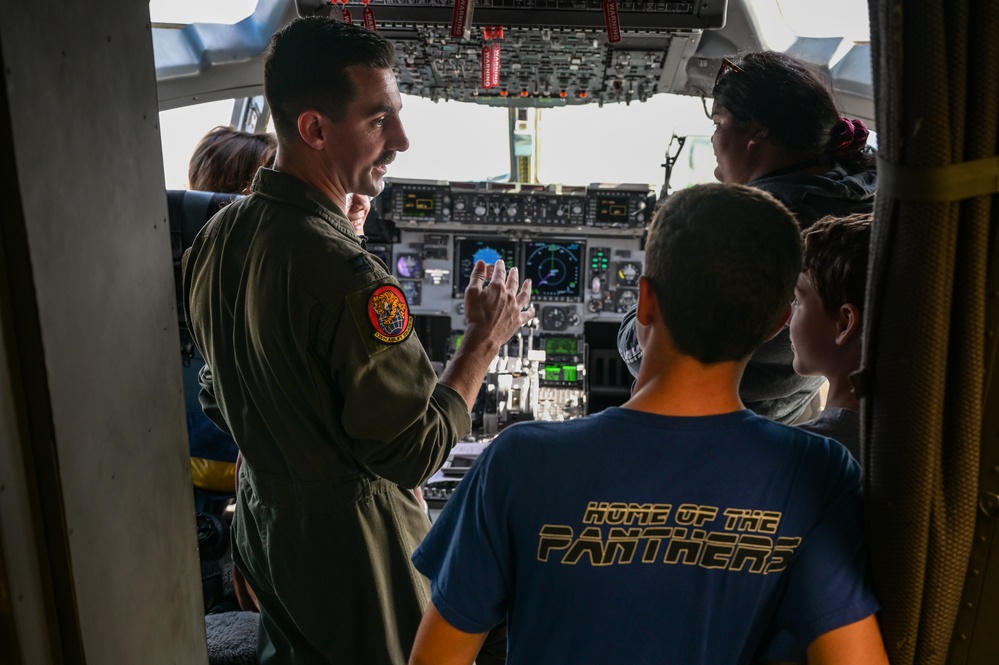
<point>942,184</point>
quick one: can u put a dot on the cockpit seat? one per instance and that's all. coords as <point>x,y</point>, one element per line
<point>213,452</point>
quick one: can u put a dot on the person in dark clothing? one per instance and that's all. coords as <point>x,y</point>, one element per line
<point>225,161</point>
<point>777,129</point>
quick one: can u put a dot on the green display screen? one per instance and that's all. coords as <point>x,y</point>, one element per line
<point>561,346</point>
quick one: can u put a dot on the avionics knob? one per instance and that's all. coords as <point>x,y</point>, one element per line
<point>511,211</point>
<point>480,211</point>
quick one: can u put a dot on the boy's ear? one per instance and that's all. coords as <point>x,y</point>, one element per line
<point>784,319</point>
<point>848,323</point>
<point>648,305</point>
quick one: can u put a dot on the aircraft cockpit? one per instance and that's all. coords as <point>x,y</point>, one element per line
<point>579,237</point>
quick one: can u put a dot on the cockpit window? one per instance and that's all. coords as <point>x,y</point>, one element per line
<point>200,11</point>
<point>180,131</point>
<point>453,141</point>
<point>844,18</point>
<point>580,145</point>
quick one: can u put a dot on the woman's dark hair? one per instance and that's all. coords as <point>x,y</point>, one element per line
<point>789,98</point>
<point>226,160</point>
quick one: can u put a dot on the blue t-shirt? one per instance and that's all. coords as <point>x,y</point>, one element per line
<point>630,537</point>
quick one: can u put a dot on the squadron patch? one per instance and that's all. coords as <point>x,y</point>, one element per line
<point>389,314</point>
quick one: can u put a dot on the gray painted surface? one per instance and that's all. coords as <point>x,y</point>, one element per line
<point>23,574</point>
<point>84,117</point>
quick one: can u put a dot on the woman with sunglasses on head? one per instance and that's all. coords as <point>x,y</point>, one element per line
<point>777,129</point>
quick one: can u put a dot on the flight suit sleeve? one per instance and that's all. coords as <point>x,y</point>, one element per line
<point>209,403</point>
<point>400,422</point>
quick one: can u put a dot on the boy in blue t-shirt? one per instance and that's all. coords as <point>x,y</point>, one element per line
<point>682,527</point>
<point>827,316</point>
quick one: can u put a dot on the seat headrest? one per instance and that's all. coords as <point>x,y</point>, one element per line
<point>190,210</point>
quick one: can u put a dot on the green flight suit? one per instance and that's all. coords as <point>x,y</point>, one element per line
<point>335,407</point>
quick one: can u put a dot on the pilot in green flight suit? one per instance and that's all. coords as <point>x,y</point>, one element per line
<point>314,367</point>
<point>336,410</point>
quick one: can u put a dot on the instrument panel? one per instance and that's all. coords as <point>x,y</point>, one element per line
<point>493,205</point>
<point>581,247</point>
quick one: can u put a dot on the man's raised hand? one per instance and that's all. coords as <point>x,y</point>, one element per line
<point>496,310</point>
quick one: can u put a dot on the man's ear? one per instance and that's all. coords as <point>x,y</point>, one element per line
<point>312,129</point>
<point>848,323</point>
<point>648,304</point>
<point>784,318</point>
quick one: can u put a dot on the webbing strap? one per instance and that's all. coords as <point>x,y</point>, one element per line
<point>942,184</point>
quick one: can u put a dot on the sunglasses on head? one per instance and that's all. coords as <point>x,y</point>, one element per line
<point>727,66</point>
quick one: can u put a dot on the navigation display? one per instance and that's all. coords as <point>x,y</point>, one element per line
<point>555,270</point>
<point>469,250</point>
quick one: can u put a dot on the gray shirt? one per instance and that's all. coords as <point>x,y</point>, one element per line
<point>840,424</point>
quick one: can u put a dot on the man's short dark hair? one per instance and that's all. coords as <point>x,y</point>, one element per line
<point>723,261</point>
<point>836,257</point>
<point>306,67</point>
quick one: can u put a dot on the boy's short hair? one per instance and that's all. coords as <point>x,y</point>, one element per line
<point>306,67</point>
<point>836,258</point>
<point>723,261</point>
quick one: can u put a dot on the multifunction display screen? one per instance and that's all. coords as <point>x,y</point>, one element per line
<point>419,205</point>
<point>611,209</point>
<point>555,270</point>
<point>468,251</point>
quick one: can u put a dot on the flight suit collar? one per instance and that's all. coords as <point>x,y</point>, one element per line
<point>292,191</point>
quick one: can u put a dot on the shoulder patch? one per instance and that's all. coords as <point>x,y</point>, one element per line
<point>360,263</point>
<point>388,312</point>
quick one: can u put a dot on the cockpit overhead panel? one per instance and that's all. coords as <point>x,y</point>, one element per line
<point>631,14</point>
<point>545,52</point>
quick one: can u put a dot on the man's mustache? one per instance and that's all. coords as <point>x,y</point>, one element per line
<point>386,160</point>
